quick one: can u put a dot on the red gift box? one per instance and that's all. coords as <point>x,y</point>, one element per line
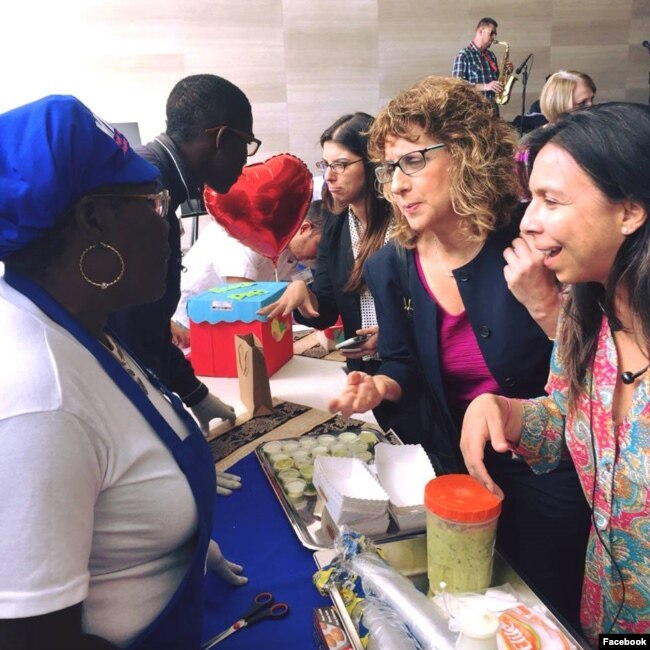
<point>218,315</point>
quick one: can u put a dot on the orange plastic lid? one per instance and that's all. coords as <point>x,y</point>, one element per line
<point>460,497</point>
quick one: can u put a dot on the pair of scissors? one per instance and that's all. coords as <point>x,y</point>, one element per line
<point>263,607</point>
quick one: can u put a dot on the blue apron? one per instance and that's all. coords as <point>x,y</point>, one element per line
<point>178,626</point>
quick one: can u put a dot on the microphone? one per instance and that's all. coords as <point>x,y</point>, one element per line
<point>629,377</point>
<point>521,67</point>
<point>646,44</point>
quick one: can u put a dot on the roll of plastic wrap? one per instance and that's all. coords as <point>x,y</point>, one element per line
<point>425,621</point>
<point>386,629</point>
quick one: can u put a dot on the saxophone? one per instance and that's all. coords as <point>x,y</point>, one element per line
<point>507,79</point>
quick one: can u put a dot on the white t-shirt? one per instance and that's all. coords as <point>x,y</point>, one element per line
<point>93,507</point>
<point>215,256</point>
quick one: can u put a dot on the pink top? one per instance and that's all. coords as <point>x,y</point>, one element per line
<point>462,367</point>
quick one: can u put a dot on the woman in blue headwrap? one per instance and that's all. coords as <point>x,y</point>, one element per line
<point>106,483</point>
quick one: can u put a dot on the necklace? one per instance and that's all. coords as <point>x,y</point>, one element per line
<point>118,354</point>
<point>443,267</point>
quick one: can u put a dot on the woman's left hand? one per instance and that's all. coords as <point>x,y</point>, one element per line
<point>228,571</point>
<point>532,284</point>
<point>368,347</point>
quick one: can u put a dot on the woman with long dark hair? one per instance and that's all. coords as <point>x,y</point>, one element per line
<point>589,216</point>
<point>361,224</point>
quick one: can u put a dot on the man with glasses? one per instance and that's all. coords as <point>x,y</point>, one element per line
<point>209,136</point>
<point>477,64</point>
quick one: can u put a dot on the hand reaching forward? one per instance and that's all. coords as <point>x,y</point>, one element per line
<point>228,571</point>
<point>489,418</point>
<point>295,296</point>
<point>364,392</point>
<point>209,408</point>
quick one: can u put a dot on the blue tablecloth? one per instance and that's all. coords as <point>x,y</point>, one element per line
<point>253,530</point>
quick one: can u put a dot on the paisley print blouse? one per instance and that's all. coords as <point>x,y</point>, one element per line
<point>613,463</point>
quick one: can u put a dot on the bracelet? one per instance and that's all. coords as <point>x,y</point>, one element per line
<point>508,413</point>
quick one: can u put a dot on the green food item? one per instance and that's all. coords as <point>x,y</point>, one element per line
<point>368,437</point>
<point>310,490</point>
<point>459,554</point>
<point>339,449</point>
<point>364,456</point>
<point>295,488</point>
<point>348,437</point>
<point>326,439</point>
<point>273,447</point>
<point>359,446</point>
<point>289,446</point>
<point>307,472</point>
<point>287,475</point>
<point>282,463</point>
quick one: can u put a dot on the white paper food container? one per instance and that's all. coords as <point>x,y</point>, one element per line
<point>349,490</point>
<point>404,471</point>
<point>366,525</point>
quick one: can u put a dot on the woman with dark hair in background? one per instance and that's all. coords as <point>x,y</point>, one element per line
<point>449,320</point>
<point>589,216</point>
<point>361,224</point>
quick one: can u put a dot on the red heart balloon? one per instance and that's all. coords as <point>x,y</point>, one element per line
<point>267,204</point>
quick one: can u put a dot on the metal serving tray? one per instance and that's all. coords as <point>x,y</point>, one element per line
<point>408,555</point>
<point>305,514</point>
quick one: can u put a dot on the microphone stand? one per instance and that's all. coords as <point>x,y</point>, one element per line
<point>524,82</point>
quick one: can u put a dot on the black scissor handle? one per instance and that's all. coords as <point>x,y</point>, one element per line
<point>277,610</point>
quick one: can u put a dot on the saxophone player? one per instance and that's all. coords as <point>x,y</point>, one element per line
<point>477,64</point>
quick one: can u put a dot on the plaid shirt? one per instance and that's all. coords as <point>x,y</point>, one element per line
<point>470,64</point>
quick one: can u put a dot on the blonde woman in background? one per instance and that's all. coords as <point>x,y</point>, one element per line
<point>565,91</point>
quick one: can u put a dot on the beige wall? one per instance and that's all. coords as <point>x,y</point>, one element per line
<point>301,62</point>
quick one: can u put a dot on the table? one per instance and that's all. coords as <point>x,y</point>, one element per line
<point>303,380</point>
<point>252,530</point>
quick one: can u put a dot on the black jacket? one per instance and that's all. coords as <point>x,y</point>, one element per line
<point>145,328</point>
<point>333,267</point>
<point>515,348</point>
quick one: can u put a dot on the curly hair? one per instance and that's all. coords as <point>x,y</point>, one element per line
<point>484,187</point>
<point>557,94</point>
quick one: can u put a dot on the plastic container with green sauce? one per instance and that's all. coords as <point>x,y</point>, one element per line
<point>462,520</point>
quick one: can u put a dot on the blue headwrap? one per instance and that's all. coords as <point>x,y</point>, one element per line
<point>52,152</point>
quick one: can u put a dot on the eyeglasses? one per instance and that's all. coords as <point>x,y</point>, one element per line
<point>338,166</point>
<point>409,163</point>
<point>252,143</point>
<point>159,202</point>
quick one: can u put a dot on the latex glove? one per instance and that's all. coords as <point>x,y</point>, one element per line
<point>228,571</point>
<point>209,408</point>
<point>226,483</point>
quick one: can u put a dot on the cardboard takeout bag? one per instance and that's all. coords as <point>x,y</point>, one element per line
<point>254,388</point>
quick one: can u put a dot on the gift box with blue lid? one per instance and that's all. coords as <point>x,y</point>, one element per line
<point>219,314</point>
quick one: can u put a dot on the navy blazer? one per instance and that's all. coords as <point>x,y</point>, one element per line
<point>333,267</point>
<point>516,350</point>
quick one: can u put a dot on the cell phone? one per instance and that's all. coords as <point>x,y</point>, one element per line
<point>352,343</point>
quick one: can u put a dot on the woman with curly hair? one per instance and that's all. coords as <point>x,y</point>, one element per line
<point>448,319</point>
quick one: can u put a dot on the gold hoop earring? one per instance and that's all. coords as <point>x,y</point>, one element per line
<point>101,285</point>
